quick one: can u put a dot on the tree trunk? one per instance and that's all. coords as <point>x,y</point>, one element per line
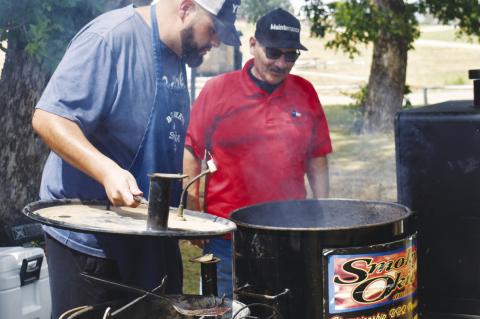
<point>22,153</point>
<point>386,84</point>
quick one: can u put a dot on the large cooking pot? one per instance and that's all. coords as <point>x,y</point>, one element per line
<point>327,258</point>
<point>153,308</point>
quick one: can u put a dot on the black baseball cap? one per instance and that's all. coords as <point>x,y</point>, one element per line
<point>224,15</point>
<point>279,29</point>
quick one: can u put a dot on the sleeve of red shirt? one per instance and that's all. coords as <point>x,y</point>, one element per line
<point>320,145</point>
<point>200,120</point>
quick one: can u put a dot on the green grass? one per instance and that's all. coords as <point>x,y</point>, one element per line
<point>361,166</point>
<point>191,271</point>
<point>460,80</point>
<point>342,118</point>
<point>445,35</point>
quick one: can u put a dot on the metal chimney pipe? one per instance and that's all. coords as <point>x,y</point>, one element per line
<point>475,76</point>
<point>208,267</point>
<point>159,200</point>
<point>209,277</point>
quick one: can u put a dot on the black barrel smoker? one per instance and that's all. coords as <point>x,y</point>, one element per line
<point>438,177</point>
<point>153,218</point>
<point>326,259</point>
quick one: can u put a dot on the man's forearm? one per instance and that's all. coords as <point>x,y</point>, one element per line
<point>66,139</point>
<point>192,167</point>
<point>318,177</point>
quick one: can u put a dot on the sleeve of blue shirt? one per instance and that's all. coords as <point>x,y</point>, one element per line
<point>83,87</point>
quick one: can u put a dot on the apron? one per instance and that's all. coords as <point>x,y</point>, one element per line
<point>161,149</point>
<point>143,261</point>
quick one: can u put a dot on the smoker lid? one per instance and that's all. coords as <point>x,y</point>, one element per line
<point>450,107</point>
<point>99,217</point>
<point>320,215</point>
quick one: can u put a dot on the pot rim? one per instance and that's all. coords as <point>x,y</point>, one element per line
<point>408,214</point>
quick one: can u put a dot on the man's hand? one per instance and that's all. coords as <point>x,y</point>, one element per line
<point>120,186</point>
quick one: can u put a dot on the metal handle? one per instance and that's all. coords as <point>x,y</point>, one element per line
<point>185,190</point>
<point>241,291</point>
<point>30,270</point>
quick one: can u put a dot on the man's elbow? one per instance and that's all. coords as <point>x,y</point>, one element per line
<point>43,122</point>
<point>36,122</point>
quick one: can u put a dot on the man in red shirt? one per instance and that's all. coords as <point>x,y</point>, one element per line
<point>264,129</point>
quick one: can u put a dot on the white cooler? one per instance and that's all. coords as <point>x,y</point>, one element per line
<point>24,287</point>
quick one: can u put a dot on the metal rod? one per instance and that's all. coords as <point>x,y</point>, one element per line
<point>241,291</point>
<point>133,302</point>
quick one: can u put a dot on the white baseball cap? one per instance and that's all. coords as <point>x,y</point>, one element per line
<point>224,14</point>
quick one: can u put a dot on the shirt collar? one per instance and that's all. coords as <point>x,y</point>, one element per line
<point>249,85</point>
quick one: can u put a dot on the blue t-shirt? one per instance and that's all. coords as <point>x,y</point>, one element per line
<point>106,84</point>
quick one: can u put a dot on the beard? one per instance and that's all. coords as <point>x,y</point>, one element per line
<point>190,50</point>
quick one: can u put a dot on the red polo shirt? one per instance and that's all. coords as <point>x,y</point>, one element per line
<point>260,142</point>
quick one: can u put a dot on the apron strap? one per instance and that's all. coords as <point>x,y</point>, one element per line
<point>157,47</point>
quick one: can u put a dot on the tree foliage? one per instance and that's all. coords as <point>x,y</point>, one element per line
<point>252,10</point>
<point>43,28</point>
<point>392,27</point>
<point>36,33</point>
<point>465,13</point>
<point>359,22</point>
<point>355,22</point>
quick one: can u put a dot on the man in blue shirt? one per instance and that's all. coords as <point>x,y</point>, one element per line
<point>115,110</point>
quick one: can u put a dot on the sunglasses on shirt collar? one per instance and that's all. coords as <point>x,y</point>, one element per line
<point>275,54</point>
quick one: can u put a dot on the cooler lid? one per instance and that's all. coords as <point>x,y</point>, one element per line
<point>11,258</point>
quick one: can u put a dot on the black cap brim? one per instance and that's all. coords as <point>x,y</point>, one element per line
<point>227,32</point>
<point>279,44</point>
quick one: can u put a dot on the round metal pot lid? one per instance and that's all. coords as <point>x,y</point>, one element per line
<point>99,217</point>
<point>319,215</point>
